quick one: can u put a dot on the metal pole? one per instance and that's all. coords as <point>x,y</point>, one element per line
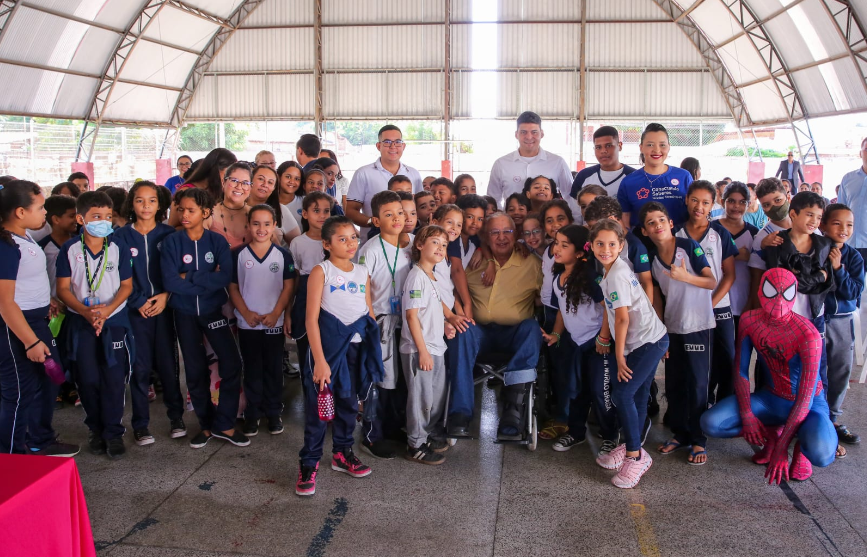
<point>447,82</point>
<point>582,82</point>
<point>318,115</point>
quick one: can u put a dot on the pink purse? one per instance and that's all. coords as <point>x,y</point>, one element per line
<point>325,402</point>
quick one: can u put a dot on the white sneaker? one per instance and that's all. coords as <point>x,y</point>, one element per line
<point>614,459</point>
<point>632,471</point>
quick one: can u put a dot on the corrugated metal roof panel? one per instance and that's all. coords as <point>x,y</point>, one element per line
<point>254,97</point>
<point>527,10</point>
<point>742,60</point>
<point>804,35</point>
<point>814,93</point>
<point>140,103</point>
<point>204,105</point>
<point>851,85</point>
<point>539,45</point>
<point>462,10</point>
<point>182,29</point>
<point>410,95</point>
<point>114,13</point>
<point>615,94</point>
<point>624,10</point>
<point>157,64</point>
<point>290,96</point>
<point>381,11</point>
<point>280,13</point>
<point>382,48</point>
<point>611,45</point>
<point>715,20</point>
<point>763,102</point>
<point>550,93</point>
<point>44,92</point>
<point>219,8</point>
<point>266,49</point>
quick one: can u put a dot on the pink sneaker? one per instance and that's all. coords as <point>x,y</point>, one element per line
<point>801,469</point>
<point>306,484</point>
<point>348,463</point>
<point>632,470</point>
<point>614,459</point>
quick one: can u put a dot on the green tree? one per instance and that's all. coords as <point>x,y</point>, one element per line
<point>203,137</point>
<point>357,133</point>
<point>422,131</point>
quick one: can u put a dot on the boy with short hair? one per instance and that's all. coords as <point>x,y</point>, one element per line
<point>474,208</point>
<point>60,214</point>
<point>388,258</point>
<point>94,280</point>
<point>444,191</point>
<point>408,202</point>
<point>424,207</point>
<point>838,223</point>
<point>399,182</point>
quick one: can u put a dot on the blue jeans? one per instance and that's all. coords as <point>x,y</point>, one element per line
<point>630,397</point>
<point>523,341</point>
<point>817,434</point>
<point>589,384</point>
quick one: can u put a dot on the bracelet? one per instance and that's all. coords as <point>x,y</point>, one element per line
<point>553,333</point>
<point>491,261</point>
<point>606,339</point>
<point>600,343</point>
<point>32,345</point>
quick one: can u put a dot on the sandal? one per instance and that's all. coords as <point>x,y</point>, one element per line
<point>693,454</point>
<point>671,443</point>
<point>553,431</point>
<point>841,452</point>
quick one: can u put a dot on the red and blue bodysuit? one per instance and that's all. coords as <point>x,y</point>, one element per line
<point>793,402</point>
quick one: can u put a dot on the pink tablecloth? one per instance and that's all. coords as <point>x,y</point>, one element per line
<point>42,508</point>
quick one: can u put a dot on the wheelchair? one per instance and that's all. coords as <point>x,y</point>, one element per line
<point>492,367</point>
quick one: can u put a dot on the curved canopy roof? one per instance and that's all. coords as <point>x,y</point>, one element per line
<point>164,62</point>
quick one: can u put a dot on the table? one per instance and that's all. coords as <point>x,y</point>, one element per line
<point>42,508</point>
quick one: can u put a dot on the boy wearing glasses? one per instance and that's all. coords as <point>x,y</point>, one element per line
<point>373,178</point>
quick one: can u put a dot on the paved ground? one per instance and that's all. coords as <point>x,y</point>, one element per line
<point>169,500</point>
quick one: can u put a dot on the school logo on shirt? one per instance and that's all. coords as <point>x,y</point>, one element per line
<point>415,294</point>
<point>274,267</point>
<point>248,264</point>
<point>679,255</point>
<point>675,182</point>
<point>698,251</point>
<point>134,252</point>
<point>80,258</point>
<point>709,251</point>
<point>643,258</point>
<point>109,267</point>
<point>516,179</point>
<point>188,258</point>
<point>599,280</point>
<point>614,297</point>
<point>643,193</point>
<point>209,257</point>
<point>711,237</point>
<point>361,260</point>
<point>353,287</point>
<point>31,252</point>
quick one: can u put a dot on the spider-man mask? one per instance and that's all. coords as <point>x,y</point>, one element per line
<point>777,291</point>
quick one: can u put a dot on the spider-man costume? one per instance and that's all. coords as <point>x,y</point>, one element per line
<point>793,402</point>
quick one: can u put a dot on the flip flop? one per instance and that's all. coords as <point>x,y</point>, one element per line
<point>671,443</point>
<point>694,454</point>
<point>837,455</point>
<point>553,431</point>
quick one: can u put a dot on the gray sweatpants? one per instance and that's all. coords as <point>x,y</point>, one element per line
<point>840,342</point>
<point>426,398</point>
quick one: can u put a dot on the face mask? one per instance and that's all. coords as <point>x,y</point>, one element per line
<point>99,228</point>
<point>778,212</point>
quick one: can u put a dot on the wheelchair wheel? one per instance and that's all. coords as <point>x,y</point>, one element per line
<point>451,441</point>
<point>532,423</point>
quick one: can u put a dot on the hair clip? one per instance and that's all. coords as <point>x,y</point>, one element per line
<point>587,246</point>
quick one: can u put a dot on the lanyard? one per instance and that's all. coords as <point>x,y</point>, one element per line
<point>391,269</point>
<point>99,263</point>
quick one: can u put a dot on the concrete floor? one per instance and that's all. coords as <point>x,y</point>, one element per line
<point>169,500</point>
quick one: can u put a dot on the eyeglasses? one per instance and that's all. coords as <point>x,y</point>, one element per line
<point>534,232</point>
<point>741,202</point>
<point>396,142</point>
<point>244,184</point>
<point>185,164</point>
<point>496,233</point>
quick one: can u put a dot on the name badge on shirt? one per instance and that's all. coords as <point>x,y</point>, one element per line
<point>395,305</point>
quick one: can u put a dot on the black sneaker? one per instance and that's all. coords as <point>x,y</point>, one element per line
<point>143,437</point>
<point>378,449</point>
<point>458,425</point>
<point>58,449</point>
<point>437,445</point>
<point>238,439</point>
<point>96,443</point>
<point>251,428</point>
<point>116,448</point>
<point>846,436</point>
<point>200,440</point>
<point>289,369</point>
<point>646,430</point>
<point>178,429</point>
<point>566,442</point>
<point>424,455</point>
<point>275,425</point>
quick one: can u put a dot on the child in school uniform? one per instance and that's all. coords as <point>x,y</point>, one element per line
<point>583,375</point>
<point>423,347</point>
<point>720,251</point>
<point>409,210</point>
<point>263,275</point>
<point>197,268</point>
<point>307,253</point>
<point>94,280</point>
<point>151,319</point>
<point>26,395</point>
<point>388,258</point>
<point>425,205</point>
<point>736,201</point>
<point>838,222</point>
<point>344,353</point>
<point>533,235</point>
<point>640,341</point>
<point>685,282</point>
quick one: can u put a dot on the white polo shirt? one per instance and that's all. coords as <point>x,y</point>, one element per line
<point>621,288</point>
<point>688,308</point>
<point>381,259</point>
<point>371,179</point>
<point>422,293</point>
<point>511,171</point>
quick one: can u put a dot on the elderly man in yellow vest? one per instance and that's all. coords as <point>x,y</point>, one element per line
<point>504,325</point>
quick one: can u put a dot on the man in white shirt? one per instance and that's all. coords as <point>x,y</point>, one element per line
<point>373,178</point>
<point>511,171</point>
